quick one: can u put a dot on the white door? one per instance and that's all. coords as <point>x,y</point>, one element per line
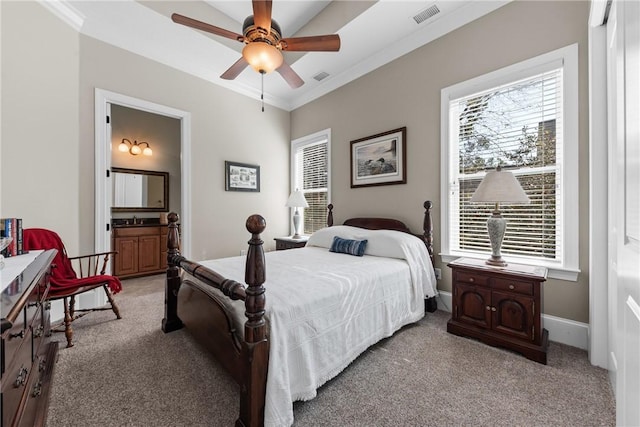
<point>624,201</point>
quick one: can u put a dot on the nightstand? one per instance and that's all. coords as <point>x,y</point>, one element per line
<point>500,306</point>
<point>283,243</point>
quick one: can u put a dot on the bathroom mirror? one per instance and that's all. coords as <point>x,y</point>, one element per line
<point>139,191</point>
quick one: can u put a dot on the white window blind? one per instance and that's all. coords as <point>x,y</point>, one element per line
<point>310,174</point>
<point>517,126</point>
<point>524,118</point>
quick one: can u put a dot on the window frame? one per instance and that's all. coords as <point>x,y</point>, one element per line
<point>296,145</point>
<point>567,268</point>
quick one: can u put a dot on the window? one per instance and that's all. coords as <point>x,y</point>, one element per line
<point>523,118</point>
<point>310,166</point>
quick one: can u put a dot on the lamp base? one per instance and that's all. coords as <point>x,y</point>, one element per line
<point>496,226</point>
<point>496,261</point>
<point>296,225</point>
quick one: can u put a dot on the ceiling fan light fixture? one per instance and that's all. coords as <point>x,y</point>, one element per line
<point>263,57</point>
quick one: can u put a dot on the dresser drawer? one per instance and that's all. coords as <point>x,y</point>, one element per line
<point>39,387</point>
<point>15,380</point>
<point>14,339</point>
<point>472,278</point>
<point>518,286</point>
<point>38,330</point>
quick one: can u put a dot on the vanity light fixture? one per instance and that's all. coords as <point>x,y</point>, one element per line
<point>135,147</point>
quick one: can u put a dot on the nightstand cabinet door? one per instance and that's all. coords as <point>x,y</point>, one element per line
<point>473,305</point>
<point>513,315</point>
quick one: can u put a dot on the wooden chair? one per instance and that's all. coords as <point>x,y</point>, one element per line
<point>66,284</point>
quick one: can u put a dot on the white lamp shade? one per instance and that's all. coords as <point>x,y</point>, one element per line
<point>297,200</point>
<point>500,187</point>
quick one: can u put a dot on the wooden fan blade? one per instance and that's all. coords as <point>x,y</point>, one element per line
<point>290,76</point>
<point>235,69</point>
<point>327,43</point>
<point>203,26</point>
<point>262,14</point>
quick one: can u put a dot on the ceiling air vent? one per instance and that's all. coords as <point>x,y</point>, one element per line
<point>321,76</point>
<point>426,14</point>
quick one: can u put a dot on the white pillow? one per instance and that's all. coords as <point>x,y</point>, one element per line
<point>391,244</point>
<point>324,237</point>
<point>384,243</point>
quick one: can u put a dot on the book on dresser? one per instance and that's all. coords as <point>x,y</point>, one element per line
<point>12,227</point>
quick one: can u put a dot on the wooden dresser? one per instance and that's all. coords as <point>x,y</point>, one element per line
<point>28,354</point>
<point>500,306</point>
<point>142,250</point>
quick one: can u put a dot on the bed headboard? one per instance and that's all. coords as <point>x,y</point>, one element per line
<point>393,224</point>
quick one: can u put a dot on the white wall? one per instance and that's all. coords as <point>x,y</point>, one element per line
<point>40,165</point>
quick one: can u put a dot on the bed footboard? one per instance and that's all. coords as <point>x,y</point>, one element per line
<point>248,358</point>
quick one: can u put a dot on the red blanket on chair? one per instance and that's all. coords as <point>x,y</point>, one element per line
<point>63,276</point>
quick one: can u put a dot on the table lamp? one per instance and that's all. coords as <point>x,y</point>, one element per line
<point>498,187</point>
<point>297,200</point>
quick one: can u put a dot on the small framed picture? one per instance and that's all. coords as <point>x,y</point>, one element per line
<point>379,159</point>
<point>241,177</point>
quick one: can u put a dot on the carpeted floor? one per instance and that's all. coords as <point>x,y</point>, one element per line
<point>128,373</point>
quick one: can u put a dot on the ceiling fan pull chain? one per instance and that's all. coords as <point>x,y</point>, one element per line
<point>262,89</point>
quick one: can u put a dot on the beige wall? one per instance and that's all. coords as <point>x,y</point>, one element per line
<point>163,135</point>
<point>40,166</point>
<point>49,74</point>
<point>406,92</point>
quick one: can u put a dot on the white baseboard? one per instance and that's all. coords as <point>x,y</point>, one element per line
<point>561,330</point>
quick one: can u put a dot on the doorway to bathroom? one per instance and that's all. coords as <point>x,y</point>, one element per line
<point>111,106</point>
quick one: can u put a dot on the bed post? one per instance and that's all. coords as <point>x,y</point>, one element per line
<point>330,215</point>
<point>171,321</point>
<point>255,349</point>
<point>430,303</point>
<point>427,227</point>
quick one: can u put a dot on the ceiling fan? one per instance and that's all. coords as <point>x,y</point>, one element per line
<point>264,43</point>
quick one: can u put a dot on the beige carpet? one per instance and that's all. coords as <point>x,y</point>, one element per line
<point>128,373</point>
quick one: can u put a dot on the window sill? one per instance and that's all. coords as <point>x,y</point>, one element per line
<point>554,272</point>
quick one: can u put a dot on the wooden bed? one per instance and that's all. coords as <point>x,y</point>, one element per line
<point>243,349</point>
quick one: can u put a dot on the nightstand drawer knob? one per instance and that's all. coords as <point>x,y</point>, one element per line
<point>471,279</point>
<point>511,287</point>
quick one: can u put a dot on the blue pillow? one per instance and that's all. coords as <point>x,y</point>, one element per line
<point>346,246</point>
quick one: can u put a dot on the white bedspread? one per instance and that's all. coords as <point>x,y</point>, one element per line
<point>325,309</point>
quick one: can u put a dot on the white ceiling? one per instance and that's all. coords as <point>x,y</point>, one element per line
<point>372,34</point>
